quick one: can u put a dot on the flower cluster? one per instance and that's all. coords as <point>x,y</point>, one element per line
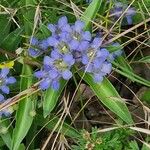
<point>119,8</point>
<point>70,44</point>
<point>5,80</point>
<point>37,47</point>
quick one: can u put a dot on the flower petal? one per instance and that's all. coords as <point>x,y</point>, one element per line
<point>55,85</point>
<point>106,68</point>
<point>51,41</point>
<point>74,44</point>
<point>68,58</point>
<point>10,80</point>
<point>52,28</point>
<point>39,74</point>
<point>62,21</point>
<point>4,72</point>
<point>1,97</point>
<point>5,89</point>
<point>86,36</point>
<point>45,84</point>
<point>48,61</point>
<point>79,25</point>
<point>67,74</point>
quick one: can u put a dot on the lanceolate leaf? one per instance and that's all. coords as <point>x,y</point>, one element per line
<point>50,98</point>
<point>107,95</point>
<point>90,13</point>
<point>4,124</point>
<point>11,41</point>
<point>23,117</point>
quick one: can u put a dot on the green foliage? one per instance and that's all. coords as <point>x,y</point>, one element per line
<point>117,139</point>
<point>50,99</point>
<point>21,19</point>
<point>5,131</point>
<point>25,108</point>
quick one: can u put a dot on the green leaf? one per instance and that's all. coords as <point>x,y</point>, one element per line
<point>130,74</point>
<point>28,11</point>
<point>51,97</point>
<point>4,26</point>
<point>4,124</point>
<point>145,59</point>
<point>12,41</point>
<point>23,116</point>
<point>21,147</point>
<point>146,96</point>
<point>90,13</point>
<point>109,97</point>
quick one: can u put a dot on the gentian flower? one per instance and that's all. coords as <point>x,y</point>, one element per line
<point>49,77</point>
<point>70,44</point>
<point>53,70</point>
<point>79,38</point>
<point>38,47</point>
<point>95,60</point>
<point>5,80</point>
<point>61,27</point>
<point>119,8</point>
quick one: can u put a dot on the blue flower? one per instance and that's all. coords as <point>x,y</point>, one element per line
<point>62,65</point>
<point>60,46</point>
<point>61,27</point>
<point>49,77</point>
<point>55,68</point>
<point>119,8</point>
<point>70,44</point>
<point>95,60</point>
<point>1,97</point>
<point>38,47</point>
<point>91,52</point>
<point>79,36</point>
<point>5,80</point>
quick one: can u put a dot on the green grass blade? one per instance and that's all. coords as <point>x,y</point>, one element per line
<point>145,59</point>
<point>23,117</point>
<point>90,13</point>
<point>130,74</point>
<point>28,8</point>
<point>51,97</point>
